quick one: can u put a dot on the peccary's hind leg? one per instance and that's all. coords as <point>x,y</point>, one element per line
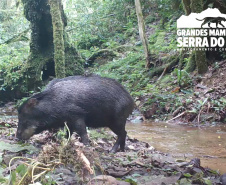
<point>121,133</point>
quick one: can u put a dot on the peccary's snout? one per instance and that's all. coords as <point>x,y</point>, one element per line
<point>26,133</point>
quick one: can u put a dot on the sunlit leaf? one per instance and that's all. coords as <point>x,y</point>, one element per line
<point>187,175</point>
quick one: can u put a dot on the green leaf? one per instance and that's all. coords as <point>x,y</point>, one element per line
<point>187,175</point>
<point>208,182</point>
<point>136,175</point>
<point>131,181</point>
<point>3,180</point>
<point>1,170</point>
<point>13,178</point>
<point>21,170</point>
<point>129,158</point>
<point>16,147</point>
<point>186,91</point>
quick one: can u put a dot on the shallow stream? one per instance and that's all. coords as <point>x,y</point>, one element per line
<point>185,142</point>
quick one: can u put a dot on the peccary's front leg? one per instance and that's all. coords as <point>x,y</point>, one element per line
<point>78,125</point>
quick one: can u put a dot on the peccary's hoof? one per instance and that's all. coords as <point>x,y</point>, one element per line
<point>116,150</point>
<point>112,151</point>
<point>86,143</point>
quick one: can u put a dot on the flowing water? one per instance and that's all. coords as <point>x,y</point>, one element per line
<point>185,142</point>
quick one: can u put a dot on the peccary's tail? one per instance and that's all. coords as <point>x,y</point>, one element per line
<point>199,19</point>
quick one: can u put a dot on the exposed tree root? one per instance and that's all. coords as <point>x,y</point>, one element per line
<point>167,67</point>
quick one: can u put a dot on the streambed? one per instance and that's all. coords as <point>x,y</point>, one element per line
<point>185,142</point>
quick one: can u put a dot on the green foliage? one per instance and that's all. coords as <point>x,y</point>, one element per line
<point>13,55</point>
<point>163,40</point>
<point>87,41</point>
<point>130,71</point>
<point>98,134</point>
<point>21,170</point>
<point>160,41</point>
<point>11,67</point>
<point>172,101</point>
<point>164,37</point>
<point>62,133</point>
<point>21,101</point>
<point>3,180</point>
<point>95,22</point>
<point>16,147</point>
<point>149,19</point>
<point>169,8</point>
<point>187,175</point>
<point>219,105</point>
<point>12,23</point>
<point>223,54</point>
<point>183,78</point>
<point>131,181</point>
<point>15,175</point>
<point>208,181</point>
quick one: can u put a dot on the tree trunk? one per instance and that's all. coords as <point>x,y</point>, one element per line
<point>201,63</point>
<point>40,64</point>
<point>142,31</point>
<point>197,58</point>
<point>200,56</point>
<point>186,6</point>
<point>58,38</point>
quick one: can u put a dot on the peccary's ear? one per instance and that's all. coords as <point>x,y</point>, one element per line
<point>32,102</point>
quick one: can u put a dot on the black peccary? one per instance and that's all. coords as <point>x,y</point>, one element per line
<point>81,102</point>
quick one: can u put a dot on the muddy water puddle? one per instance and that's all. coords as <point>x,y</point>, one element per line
<point>185,142</point>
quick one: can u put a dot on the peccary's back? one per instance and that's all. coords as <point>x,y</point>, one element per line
<point>100,100</point>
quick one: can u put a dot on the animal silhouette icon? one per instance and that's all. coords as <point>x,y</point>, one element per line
<point>209,20</point>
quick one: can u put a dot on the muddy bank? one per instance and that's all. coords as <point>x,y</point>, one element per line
<point>198,99</point>
<point>58,160</point>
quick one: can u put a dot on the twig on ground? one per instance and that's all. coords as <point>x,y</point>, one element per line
<point>177,116</point>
